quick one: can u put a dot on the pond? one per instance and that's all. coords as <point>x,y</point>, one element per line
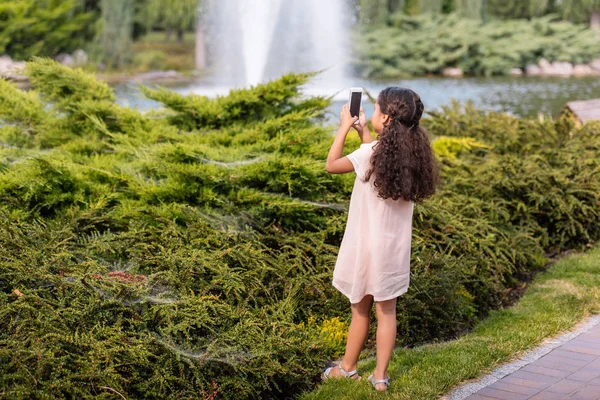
<point>520,96</point>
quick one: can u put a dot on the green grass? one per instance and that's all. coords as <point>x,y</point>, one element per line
<point>178,56</point>
<point>566,293</point>
<point>189,38</point>
<point>152,52</point>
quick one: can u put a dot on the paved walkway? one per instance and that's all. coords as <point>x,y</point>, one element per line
<point>567,368</point>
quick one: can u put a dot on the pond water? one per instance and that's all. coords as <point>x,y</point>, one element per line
<point>520,96</point>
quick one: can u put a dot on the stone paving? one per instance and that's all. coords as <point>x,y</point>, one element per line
<point>568,370</point>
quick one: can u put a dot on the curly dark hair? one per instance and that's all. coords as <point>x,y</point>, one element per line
<point>403,161</point>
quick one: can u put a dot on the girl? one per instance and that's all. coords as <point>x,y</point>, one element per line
<point>373,264</point>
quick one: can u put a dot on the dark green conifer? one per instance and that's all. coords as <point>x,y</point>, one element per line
<point>44,27</point>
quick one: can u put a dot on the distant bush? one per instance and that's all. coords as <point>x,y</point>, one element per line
<point>189,252</point>
<point>426,44</point>
<point>44,28</point>
<point>150,60</point>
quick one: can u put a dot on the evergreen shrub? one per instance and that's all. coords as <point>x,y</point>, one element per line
<point>44,27</point>
<point>189,252</point>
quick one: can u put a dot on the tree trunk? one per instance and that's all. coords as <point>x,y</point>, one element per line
<point>168,34</point>
<point>373,12</point>
<point>180,34</point>
<point>448,6</point>
<point>595,20</point>
<point>484,11</point>
<point>395,5</point>
<point>117,18</point>
<point>412,7</point>
<point>470,8</point>
<point>431,6</point>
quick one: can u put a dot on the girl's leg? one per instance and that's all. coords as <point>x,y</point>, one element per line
<point>357,334</point>
<point>386,338</point>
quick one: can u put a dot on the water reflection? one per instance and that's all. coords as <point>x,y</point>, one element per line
<point>522,96</point>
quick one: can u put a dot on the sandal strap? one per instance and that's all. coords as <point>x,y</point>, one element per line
<point>344,373</point>
<point>374,381</point>
<point>347,374</point>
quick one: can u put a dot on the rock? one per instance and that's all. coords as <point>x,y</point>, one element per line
<point>65,59</point>
<point>157,75</point>
<point>562,68</point>
<point>5,63</point>
<point>516,72</point>
<point>545,66</point>
<point>533,70</point>
<point>583,70</point>
<point>595,64</point>
<point>80,58</point>
<point>5,60</point>
<point>10,69</point>
<point>452,72</point>
<point>557,68</point>
<point>14,73</point>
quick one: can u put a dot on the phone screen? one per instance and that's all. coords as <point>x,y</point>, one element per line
<point>355,104</point>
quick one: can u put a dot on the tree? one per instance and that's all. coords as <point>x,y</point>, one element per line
<point>117,21</point>
<point>448,6</point>
<point>469,8</point>
<point>373,12</point>
<point>412,7</point>
<point>512,9</point>
<point>140,20</point>
<point>173,15</point>
<point>431,6</point>
<point>582,11</point>
<point>44,27</point>
<point>395,5</point>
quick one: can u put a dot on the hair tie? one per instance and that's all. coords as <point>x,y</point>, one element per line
<point>399,119</point>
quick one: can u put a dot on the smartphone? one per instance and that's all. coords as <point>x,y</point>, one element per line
<point>354,101</point>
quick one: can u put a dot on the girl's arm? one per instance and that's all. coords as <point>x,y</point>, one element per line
<point>365,134</point>
<point>336,162</point>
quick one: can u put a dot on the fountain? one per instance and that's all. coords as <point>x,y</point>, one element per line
<point>258,19</point>
<point>252,41</point>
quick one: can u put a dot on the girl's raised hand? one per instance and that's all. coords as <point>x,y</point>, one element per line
<point>362,121</point>
<point>346,120</point>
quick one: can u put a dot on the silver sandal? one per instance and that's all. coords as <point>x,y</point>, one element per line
<point>374,381</point>
<point>344,373</point>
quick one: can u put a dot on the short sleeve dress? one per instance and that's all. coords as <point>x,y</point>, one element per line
<point>374,256</point>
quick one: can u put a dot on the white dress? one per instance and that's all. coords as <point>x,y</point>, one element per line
<point>374,256</point>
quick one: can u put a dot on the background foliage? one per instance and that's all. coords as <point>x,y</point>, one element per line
<point>44,27</point>
<point>579,11</point>
<point>427,44</point>
<point>107,29</point>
